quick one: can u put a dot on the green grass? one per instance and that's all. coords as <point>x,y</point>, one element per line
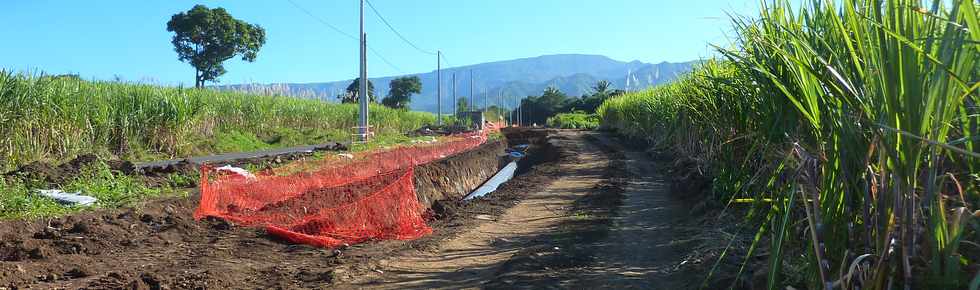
<point>574,120</point>
<point>112,189</point>
<point>18,201</point>
<point>869,109</point>
<point>55,118</point>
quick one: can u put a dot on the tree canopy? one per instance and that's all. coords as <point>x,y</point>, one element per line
<point>206,38</point>
<point>353,88</point>
<point>537,109</point>
<point>401,90</point>
<point>601,87</point>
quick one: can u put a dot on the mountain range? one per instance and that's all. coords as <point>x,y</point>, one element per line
<point>573,74</point>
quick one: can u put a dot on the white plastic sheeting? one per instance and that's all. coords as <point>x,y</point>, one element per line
<point>240,171</point>
<point>491,185</point>
<point>71,198</point>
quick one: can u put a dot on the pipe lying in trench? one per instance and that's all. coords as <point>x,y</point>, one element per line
<point>503,175</point>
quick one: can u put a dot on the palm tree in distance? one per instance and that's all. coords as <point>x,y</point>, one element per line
<point>602,87</point>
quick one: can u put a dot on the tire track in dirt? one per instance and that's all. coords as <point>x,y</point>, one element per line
<point>629,236</point>
<point>474,257</point>
<point>645,247</point>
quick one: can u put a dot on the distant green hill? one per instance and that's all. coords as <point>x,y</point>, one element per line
<point>573,74</point>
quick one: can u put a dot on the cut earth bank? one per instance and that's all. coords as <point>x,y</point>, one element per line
<point>158,244</point>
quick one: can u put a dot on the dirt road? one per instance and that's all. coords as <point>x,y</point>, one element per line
<point>588,213</point>
<point>604,223</point>
<point>643,247</point>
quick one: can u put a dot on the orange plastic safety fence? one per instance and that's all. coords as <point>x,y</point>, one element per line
<point>365,198</point>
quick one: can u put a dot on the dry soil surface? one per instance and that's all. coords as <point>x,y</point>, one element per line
<point>605,222</point>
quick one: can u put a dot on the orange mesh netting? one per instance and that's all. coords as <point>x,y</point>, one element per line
<point>370,197</point>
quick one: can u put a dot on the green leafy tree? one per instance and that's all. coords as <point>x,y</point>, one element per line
<point>602,88</point>
<point>601,91</point>
<point>537,109</point>
<point>552,100</point>
<point>352,89</point>
<point>496,114</point>
<point>401,90</point>
<point>206,38</point>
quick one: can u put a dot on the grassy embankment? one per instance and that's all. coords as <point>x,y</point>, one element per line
<point>54,119</point>
<point>854,131</point>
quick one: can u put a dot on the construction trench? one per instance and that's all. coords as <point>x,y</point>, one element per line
<point>159,244</point>
<point>542,228</point>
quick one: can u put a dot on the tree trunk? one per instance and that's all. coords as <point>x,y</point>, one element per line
<point>198,83</point>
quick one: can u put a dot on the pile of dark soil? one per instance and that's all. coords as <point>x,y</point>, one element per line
<point>185,166</point>
<point>99,249</point>
<point>54,175</point>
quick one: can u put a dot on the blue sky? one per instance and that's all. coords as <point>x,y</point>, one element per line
<point>108,38</point>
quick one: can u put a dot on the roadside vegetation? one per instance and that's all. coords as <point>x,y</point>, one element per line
<point>53,119</point>
<point>111,187</point>
<point>851,129</point>
<point>56,118</point>
<point>539,109</point>
<point>574,120</point>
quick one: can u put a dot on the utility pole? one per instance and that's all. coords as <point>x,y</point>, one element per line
<point>499,108</point>
<point>439,87</point>
<point>363,131</point>
<point>455,101</point>
<point>520,112</point>
<point>510,117</point>
<point>472,104</point>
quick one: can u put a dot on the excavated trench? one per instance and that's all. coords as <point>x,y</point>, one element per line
<point>159,245</point>
<point>453,178</point>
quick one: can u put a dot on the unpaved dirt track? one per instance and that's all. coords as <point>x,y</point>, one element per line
<point>642,249</point>
<point>597,226</point>
<point>473,258</point>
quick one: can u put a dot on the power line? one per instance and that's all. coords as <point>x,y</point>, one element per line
<point>446,60</point>
<point>403,38</point>
<point>396,31</point>
<point>385,60</point>
<point>348,35</point>
<point>325,23</point>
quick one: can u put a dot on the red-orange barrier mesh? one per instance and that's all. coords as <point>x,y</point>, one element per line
<point>365,198</point>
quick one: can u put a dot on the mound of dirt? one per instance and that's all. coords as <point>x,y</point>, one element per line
<point>58,175</point>
<point>179,167</point>
<point>62,249</point>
